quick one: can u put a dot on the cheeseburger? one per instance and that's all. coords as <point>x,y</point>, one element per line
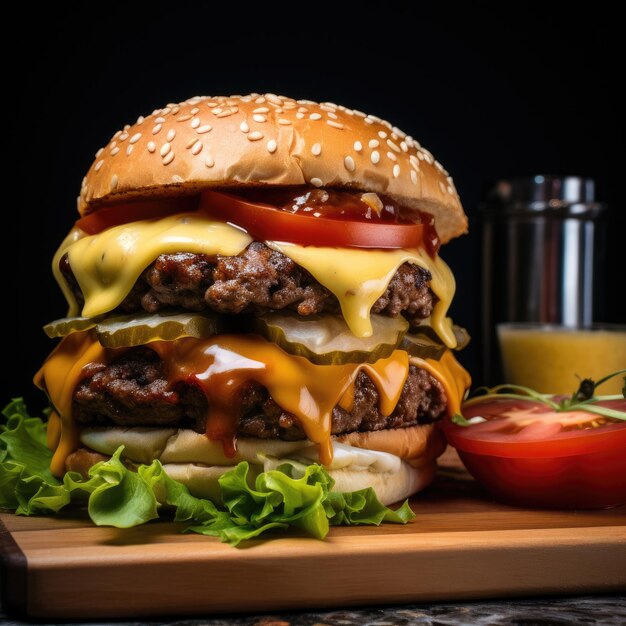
<point>255,278</point>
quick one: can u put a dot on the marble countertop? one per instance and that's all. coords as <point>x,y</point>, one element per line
<point>607,610</point>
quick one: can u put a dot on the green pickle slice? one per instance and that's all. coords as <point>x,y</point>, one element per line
<point>423,342</point>
<point>327,340</point>
<point>123,331</point>
<point>68,325</point>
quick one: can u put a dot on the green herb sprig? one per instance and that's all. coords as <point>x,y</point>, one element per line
<point>583,399</point>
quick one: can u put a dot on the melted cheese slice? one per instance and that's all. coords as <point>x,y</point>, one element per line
<point>108,264</point>
<point>358,277</point>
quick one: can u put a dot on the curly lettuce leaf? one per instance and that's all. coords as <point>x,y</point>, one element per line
<point>285,495</point>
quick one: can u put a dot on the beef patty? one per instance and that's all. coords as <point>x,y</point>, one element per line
<point>257,280</point>
<point>133,391</point>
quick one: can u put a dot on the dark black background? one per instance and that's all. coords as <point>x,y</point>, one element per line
<point>492,89</point>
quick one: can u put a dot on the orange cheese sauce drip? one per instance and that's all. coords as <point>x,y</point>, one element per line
<point>58,377</point>
<point>451,374</point>
<point>222,365</point>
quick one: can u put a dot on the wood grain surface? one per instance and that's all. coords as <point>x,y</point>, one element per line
<point>461,545</point>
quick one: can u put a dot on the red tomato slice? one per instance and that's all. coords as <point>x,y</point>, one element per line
<point>527,454</point>
<point>266,222</point>
<point>134,211</point>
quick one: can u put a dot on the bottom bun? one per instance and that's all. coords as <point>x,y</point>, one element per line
<point>396,463</point>
<point>390,487</point>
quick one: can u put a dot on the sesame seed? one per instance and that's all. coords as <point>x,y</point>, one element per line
<point>349,164</point>
<point>315,116</point>
<point>283,122</point>
<point>420,156</point>
<point>175,110</point>
<point>302,110</point>
<point>165,148</point>
<point>197,148</point>
<point>271,146</point>
<point>129,149</point>
<point>159,120</point>
<point>260,100</point>
<point>98,165</point>
<point>184,118</point>
<point>113,183</point>
<point>257,117</point>
<point>404,147</point>
<point>117,134</point>
<point>166,110</point>
<point>99,152</point>
<point>244,128</point>
<point>168,158</point>
<point>156,129</point>
<point>171,133</point>
<point>205,128</point>
<point>373,143</point>
<point>359,113</point>
<point>151,146</point>
<point>415,164</point>
<point>123,136</point>
<point>316,182</point>
<point>227,112</point>
<point>211,104</point>
<point>439,166</point>
<point>396,170</point>
<point>191,142</point>
<point>392,156</point>
<point>289,105</point>
<point>399,132</point>
<point>326,107</point>
<point>299,115</point>
<point>382,134</point>
<point>209,162</point>
<point>450,190</point>
<point>255,136</point>
<point>195,122</point>
<point>217,111</point>
<point>261,110</point>
<point>395,147</point>
<point>375,157</point>
<point>195,110</point>
<point>316,149</point>
<point>135,138</point>
<point>334,124</point>
<point>358,146</point>
<point>332,115</point>
<point>414,177</point>
<point>115,151</point>
<point>442,187</point>
<point>367,120</point>
<point>126,126</point>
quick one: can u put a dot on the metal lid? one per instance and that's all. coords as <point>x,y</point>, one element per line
<point>560,196</point>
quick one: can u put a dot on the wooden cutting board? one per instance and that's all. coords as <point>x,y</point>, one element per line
<point>461,545</point>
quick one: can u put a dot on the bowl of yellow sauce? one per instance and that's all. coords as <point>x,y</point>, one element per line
<point>553,359</point>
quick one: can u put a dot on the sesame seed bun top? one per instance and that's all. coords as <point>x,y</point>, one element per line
<point>269,140</point>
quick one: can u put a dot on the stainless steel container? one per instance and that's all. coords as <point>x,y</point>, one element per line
<point>540,247</point>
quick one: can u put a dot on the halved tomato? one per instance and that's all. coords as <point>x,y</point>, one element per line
<point>525,453</point>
